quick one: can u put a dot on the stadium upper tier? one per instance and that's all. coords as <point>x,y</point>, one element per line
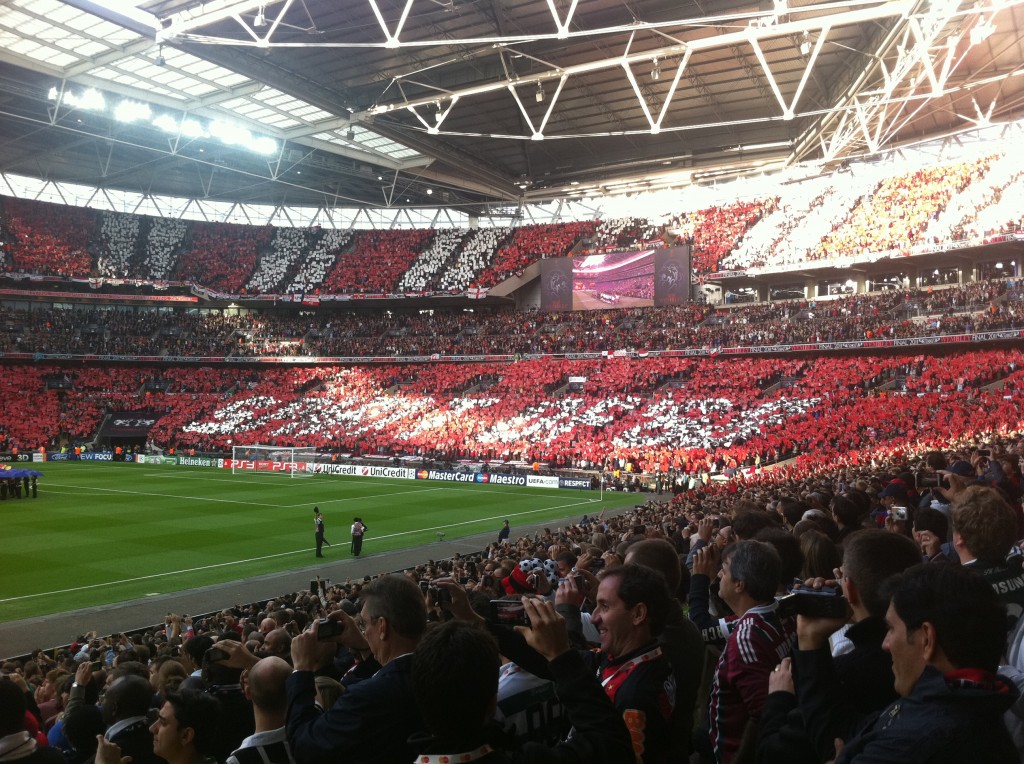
<point>692,414</point>
<point>977,307</point>
<point>864,213</point>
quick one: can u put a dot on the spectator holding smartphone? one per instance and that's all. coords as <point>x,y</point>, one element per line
<point>463,658</point>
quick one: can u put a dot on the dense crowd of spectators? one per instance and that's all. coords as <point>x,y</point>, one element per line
<point>284,255</point>
<point>868,209</point>
<point>713,232</point>
<point>848,613</point>
<point>692,415</point>
<point>895,216</point>
<point>477,253</point>
<point>960,214</point>
<point>377,262</point>
<point>900,482</point>
<point>432,260</point>
<point>980,306</point>
<point>319,262</point>
<point>164,242</point>
<point>624,233</point>
<point>49,239</point>
<point>531,243</point>
<point>119,234</point>
<point>223,256</point>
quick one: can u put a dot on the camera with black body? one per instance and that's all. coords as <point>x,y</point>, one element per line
<point>927,479</point>
<point>508,613</point>
<point>328,629</point>
<point>215,655</point>
<point>440,595</point>
<point>826,602</point>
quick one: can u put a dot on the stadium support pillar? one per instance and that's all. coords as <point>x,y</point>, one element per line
<point>763,293</point>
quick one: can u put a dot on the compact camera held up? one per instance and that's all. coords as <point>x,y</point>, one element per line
<point>826,602</point>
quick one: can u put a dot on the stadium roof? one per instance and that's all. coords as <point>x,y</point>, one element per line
<point>483,104</point>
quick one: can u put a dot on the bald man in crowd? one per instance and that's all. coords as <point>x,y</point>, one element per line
<point>278,643</point>
<point>265,687</point>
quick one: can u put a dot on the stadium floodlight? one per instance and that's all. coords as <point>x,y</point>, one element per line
<point>167,123</point>
<point>233,135</point>
<point>91,99</point>
<point>192,128</point>
<point>132,111</point>
<point>264,145</point>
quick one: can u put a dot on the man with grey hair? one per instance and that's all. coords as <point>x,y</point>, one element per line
<point>758,641</point>
<point>373,720</point>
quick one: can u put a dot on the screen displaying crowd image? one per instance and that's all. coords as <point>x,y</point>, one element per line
<point>637,278</point>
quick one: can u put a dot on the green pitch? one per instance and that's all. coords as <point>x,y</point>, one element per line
<point>101,533</point>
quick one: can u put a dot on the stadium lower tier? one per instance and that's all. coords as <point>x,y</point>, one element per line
<point>693,415</point>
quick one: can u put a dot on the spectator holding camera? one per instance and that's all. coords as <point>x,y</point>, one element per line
<point>632,607</point>
<point>756,641</point>
<point>221,678</point>
<point>931,532</point>
<point>861,679</point>
<point>373,720</point>
<point>946,633</point>
<point>463,658</point>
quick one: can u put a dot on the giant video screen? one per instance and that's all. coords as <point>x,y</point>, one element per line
<point>638,278</point>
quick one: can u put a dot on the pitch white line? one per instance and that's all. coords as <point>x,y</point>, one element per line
<point>161,495</point>
<point>272,556</point>
<point>247,503</point>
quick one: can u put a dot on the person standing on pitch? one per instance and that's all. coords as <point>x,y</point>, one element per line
<point>358,531</point>
<point>504,533</point>
<point>318,521</point>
